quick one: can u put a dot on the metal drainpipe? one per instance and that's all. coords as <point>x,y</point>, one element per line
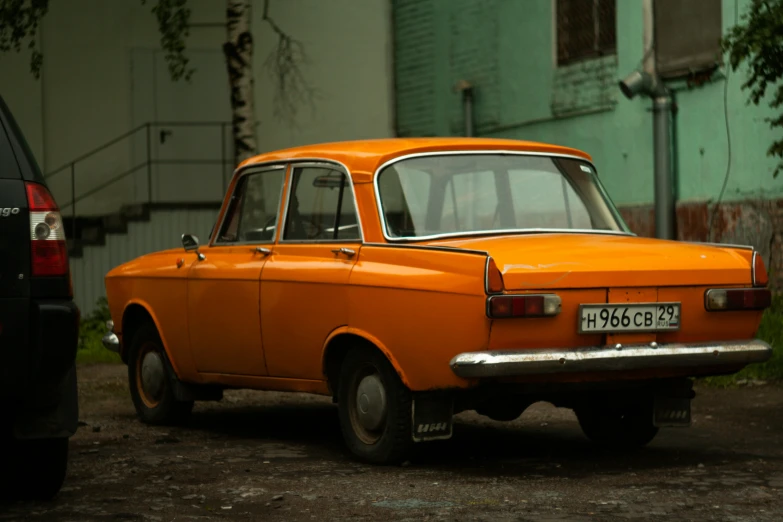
<point>662,143</point>
<point>467,105</point>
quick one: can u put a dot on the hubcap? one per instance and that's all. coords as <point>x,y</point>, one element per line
<point>371,402</point>
<point>152,376</point>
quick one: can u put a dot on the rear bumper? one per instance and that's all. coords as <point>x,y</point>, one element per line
<point>37,365</point>
<point>509,363</point>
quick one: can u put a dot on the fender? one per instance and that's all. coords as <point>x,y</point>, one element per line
<point>155,320</point>
<point>370,339</point>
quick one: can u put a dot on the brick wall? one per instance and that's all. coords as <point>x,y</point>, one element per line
<point>749,222</point>
<point>591,84</point>
<point>414,59</point>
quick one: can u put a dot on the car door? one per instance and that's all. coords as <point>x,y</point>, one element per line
<point>223,288</point>
<point>304,285</point>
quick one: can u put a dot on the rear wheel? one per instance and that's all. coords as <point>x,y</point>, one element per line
<point>626,427</point>
<point>374,408</point>
<point>149,376</point>
<point>32,469</point>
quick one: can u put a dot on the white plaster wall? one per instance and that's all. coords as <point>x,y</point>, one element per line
<point>86,93</point>
<point>348,43</point>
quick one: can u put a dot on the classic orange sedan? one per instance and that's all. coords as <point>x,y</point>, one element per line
<point>411,279</point>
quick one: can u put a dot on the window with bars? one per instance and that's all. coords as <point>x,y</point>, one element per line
<point>585,29</point>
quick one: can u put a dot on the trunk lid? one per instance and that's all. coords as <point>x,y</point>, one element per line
<point>565,260</point>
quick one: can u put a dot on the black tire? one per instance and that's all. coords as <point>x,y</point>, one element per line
<point>32,469</point>
<point>625,427</point>
<point>161,407</point>
<point>392,442</point>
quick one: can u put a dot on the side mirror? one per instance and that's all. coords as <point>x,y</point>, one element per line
<point>190,244</point>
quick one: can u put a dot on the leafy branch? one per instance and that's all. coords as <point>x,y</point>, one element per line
<point>19,20</point>
<point>758,43</point>
<point>284,66</point>
<point>174,26</point>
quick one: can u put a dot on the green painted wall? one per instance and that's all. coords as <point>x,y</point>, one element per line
<point>505,48</point>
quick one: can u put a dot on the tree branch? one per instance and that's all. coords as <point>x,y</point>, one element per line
<point>284,65</point>
<point>19,22</point>
<point>174,25</point>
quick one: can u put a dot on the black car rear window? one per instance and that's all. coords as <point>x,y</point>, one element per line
<point>12,145</point>
<point>8,167</point>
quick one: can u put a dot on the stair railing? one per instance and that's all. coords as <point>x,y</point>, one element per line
<point>71,166</point>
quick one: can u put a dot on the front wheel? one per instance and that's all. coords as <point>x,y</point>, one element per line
<point>149,376</point>
<point>374,408</point>
<point>620,427</point>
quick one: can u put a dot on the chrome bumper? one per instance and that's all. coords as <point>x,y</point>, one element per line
<point>110,340</point>
<point>606,358</point>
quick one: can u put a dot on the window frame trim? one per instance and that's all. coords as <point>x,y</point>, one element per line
<point>319,163</point>
<point>250,170</point>
<point>596,39</point>
<point>495,232</point>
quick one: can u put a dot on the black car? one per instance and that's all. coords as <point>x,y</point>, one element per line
<point>39,327</point>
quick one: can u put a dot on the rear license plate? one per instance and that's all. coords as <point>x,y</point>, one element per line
<point>671,412</point>
<point>630,317</point>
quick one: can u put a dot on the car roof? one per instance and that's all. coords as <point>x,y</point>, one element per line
<point>364,157</point>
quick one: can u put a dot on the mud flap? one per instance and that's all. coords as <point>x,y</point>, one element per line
<point>432,418</point>
<point>672,412</point>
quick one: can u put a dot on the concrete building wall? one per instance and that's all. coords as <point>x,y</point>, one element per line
<point>104,74</point>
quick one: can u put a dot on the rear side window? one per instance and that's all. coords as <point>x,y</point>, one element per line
<point>8,167</point>
<point>15,151</point>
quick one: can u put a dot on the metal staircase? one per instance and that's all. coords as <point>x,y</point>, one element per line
<point>148,218</point>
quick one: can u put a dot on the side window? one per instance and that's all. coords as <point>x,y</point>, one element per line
<point>321,206</point>
<point>252,212</point>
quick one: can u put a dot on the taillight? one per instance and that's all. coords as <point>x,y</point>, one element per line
<point>759,271</point>
<point>493,279</point>
<point>726,299</point>
<point>500,306</point>
<point>48,248</point>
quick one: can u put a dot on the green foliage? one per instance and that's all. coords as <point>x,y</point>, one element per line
<point>19,20</point>
<point>91,330</point>
<point>758,41</point>
<point>173,23</point>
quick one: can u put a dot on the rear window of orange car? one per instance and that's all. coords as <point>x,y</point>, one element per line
<point>453,194</point>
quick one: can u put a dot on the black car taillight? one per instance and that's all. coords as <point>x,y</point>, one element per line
<point>49,251</point>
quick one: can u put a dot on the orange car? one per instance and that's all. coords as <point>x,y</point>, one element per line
<point>411,279</point>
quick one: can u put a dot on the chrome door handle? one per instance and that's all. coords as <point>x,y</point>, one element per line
<point>262,250</point>
<point>347,251</point>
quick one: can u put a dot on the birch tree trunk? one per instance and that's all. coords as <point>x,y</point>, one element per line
<point>238,50</point>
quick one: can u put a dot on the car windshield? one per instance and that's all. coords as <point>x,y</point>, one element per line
<point>463,194</point>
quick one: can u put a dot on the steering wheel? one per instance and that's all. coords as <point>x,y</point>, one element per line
<point>311,230</point>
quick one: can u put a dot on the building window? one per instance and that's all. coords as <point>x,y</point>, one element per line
<point>585,29</point>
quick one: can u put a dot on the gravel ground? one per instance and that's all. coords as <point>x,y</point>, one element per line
<point>272,456</point>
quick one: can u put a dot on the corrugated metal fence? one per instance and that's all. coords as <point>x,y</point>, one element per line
<point>162,231</point>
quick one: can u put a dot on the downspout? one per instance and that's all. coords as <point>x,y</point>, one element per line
<point>645,80</point>
<point>467,106</point>
<point>662,145</point>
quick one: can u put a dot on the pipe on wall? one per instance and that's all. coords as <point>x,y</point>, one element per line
<point>662,145</point>
<point>467,106</point>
